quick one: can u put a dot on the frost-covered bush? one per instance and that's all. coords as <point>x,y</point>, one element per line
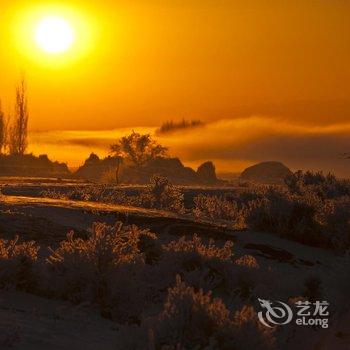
<point>308,218</point>
<point>190,319</point>
<point>211,267</point>
<point>124,270</point>
<point>337,222</point>
<point>103,269</point>
<point>218,209</point>
<point>159,194</point>
<point>248,261</point>
<point>242,276</point>
<point>94,193</point>
<point>17,264</point>
<point>113,268</point>
<point>249,332</point>
<point>289,215</point>
<point>325,186</point>
<point>202,265</point>
<point>242,196</point>
<point>162,194</point>
<point>54,194</point>
<point>195,245</point>
<point>312,209</point>
<point>195,320</point>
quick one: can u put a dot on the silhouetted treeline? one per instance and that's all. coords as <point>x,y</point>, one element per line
<point>171,126</point>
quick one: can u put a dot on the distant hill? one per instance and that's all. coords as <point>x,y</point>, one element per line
<point>271,172</point>
<point>30,165</point>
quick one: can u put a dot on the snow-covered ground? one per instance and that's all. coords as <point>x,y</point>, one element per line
<point>31,322</point>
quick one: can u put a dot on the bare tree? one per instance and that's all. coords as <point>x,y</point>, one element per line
<point>137,148</point>
<point>117,153</point>
<point>2,131</point>
<point>19,131</point>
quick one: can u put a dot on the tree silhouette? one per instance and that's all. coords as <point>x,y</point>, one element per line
<point>137,148</point>
<point>2,130</point>
<point>19,131</point>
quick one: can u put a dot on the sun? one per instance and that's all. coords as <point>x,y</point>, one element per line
<point>54,35</point>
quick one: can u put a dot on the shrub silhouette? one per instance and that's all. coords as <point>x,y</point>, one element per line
<point>313,214</point>
<point>202,265</point>
<point>324,186</point>
<point>195,320</point>
<point>126,273</point>
<point>306,218</point>
<point>161,194</point>
<point>336,222</point>
<point>94,193</point>
<point>286,214</point>
<point>218,209</point>
<point>17,264</point>
<point>97,270</point>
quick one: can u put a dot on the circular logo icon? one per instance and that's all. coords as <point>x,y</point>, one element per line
<point>274,313</point>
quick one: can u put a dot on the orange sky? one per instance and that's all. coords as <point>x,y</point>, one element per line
<point>140,63</point>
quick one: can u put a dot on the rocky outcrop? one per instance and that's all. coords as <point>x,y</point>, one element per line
<point>30,165</point>
<point>94,168</point>
<point>171,168</point>
<point>266,172</point>
<point>206,173</point>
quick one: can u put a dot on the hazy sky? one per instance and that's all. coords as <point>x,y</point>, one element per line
<point>139,63</point>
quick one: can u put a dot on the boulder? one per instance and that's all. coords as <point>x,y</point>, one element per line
<point>272,172</point>
<point>171,168</point>
<point>94,168</point>
<point>206,173</point>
